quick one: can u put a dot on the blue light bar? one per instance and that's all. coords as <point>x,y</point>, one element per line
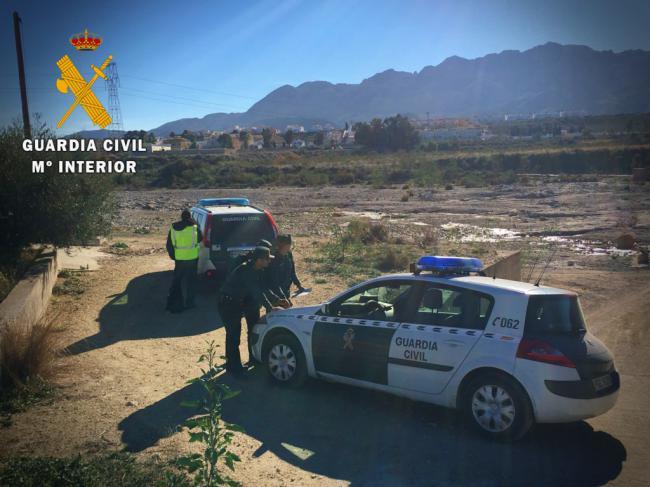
<point>447,264</point>
<point>224,202</point>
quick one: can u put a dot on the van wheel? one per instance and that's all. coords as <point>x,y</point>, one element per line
<point>497,406</point>
<point>285,360</point>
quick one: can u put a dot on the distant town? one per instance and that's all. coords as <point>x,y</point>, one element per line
<point>430,132</point>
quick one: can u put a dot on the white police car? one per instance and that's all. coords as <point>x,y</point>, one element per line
<point>506,353</point>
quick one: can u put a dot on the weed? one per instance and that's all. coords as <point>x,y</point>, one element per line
<point>119,245</point>
<point>71,285</point>
<point>29,358</point>
<point>209,428</point>
<point>103,471</point>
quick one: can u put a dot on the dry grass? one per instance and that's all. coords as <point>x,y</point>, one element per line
<point>29,354</point>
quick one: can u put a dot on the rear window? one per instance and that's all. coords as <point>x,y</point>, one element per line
<point>243,229</point>
<point>554,314</point>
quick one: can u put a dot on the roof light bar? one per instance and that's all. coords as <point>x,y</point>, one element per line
<point>224,202</point>
<point>448,265</point>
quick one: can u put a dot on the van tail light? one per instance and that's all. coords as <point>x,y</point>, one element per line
<point>208,231</point>
<point>541,351</point>
<point>273,224</point>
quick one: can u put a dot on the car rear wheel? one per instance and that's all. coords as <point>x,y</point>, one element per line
<point>285,360</point>
<point>497,406</point>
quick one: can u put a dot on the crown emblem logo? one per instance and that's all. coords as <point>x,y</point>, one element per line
<point>85,41</point>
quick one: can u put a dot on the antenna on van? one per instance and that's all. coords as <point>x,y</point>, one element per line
<point>532,269</point>
<point>546,266</point>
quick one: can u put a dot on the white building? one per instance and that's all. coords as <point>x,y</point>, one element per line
<point>160,147</point>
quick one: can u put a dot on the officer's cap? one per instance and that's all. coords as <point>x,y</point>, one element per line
<point>284,239</point>
<point>262,253</point>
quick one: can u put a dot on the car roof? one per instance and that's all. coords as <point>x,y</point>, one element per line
<point>229,210</point>
<point>484,283</point>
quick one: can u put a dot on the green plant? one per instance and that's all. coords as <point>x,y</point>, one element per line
<point>29,358</point>
<point>71,285</point>
<point>119,245</point>
<point>209,428</point>
<point>392,260</point>
<point>115,469</point>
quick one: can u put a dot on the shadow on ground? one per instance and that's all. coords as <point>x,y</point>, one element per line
<point>369,438</point>
<point>139,313</point>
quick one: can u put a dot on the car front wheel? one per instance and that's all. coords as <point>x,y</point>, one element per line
<point>497,406</point>
<point>285,360</point>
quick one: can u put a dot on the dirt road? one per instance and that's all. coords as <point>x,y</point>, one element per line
<point>129,362</point>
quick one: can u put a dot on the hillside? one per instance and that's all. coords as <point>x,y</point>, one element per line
<point>545,79</point>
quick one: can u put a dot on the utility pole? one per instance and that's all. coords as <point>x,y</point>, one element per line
<point>21,75</point>
<point>112,84</point>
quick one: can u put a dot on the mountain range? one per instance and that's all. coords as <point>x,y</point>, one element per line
<point>550,78</point>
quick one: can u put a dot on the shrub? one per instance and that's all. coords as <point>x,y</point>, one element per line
<point>366,232</point>
<point>427,240</point>
<point>28,353</point>
<point>48,207</point>
<point>71,285</point>
<point>392,260</point>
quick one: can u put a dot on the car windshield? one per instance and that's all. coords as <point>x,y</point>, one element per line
<point>554,314</point>
<point>242,229</point>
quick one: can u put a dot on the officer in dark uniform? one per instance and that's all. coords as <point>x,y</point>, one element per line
<point>244,288</point>
<point>251,309</point>
<point>282,271</point>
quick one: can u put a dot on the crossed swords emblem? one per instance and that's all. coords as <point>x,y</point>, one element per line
<point>72,80</point>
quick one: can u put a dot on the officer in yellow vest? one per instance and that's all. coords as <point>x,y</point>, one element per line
<point>183,247</point>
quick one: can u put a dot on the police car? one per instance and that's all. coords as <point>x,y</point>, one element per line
<point>230,227</point>
<point>504,352</point>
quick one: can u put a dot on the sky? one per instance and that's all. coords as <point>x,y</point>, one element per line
<point>191,58</point>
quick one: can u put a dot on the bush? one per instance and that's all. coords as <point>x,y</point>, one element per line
<point>366,232</point>
<point>28,353</point>
<point>71,285</point>
<point>50,207</point>
<point>392,260</point>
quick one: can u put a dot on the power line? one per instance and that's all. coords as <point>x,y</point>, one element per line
<point>191,87</point>
<point>164,95</point>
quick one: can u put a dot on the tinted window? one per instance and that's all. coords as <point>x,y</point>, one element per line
<point>553,314</point>
<point>449,306</point>
<point>385,301</point>
<point>242,229</point>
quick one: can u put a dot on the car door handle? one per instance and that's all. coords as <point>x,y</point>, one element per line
<point>453,343</point>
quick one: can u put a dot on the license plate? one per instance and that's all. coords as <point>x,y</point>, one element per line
<point>603,382</point>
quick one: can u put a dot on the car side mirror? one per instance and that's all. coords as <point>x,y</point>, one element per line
<point>325,308</point>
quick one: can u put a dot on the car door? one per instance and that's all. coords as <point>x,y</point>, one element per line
<point>352,338</point>
<point>436,336</point>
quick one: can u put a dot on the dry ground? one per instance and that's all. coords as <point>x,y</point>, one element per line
<point>129,361</point>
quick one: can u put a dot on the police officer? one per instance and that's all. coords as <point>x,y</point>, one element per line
<point>244,288</point>
<point>247,256</point>
<point>283,269</point>
<point>183,247</point>
<point>251,309</point>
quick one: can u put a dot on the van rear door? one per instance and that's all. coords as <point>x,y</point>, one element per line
<point>236,230</point>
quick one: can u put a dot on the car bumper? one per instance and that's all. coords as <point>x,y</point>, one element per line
<point>256,341</point>
<point>576,400</point>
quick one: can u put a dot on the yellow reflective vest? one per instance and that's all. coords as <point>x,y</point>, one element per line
<point>185,242</point>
